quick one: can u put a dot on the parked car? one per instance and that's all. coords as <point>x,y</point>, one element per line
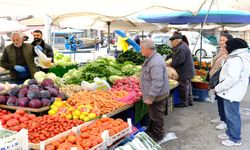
<point>208,50</point>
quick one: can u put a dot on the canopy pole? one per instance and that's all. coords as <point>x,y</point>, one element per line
<point>200,35</point>
<point>108,23</point>
<point>142,34</point>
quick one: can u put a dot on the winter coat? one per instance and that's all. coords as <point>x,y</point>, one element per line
<point>182,61</point>
<point>8,60</point>
<point>234,76</point>
<point>154,78</point>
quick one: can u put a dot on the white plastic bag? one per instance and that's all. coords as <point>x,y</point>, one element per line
<point>98,84</point>
<point>42,60</point>
<point>211,96</point>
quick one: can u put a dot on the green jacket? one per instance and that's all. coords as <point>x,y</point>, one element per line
<point>8,60</point>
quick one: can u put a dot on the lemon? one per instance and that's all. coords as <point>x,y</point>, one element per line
<point>86,119</point>
<point>92,116</point>
<point>75,117</point>
<point>55,109</point>
<point>52,112</point>
<point>58,103</point>
<point>85,113</point>
<point>68,116</point>
<point>77,112</point>
<point>82,117</point>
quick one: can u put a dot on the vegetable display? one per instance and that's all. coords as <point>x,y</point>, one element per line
<point>104,100</point>
<point>102,68</point>
<point>131,85</point>
<point>90,135</point>
<point>164,50</point>
<point>39,128</point>
<point>132,56</point>
<point>33,95</point>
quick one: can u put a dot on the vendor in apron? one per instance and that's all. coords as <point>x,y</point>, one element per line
<point>18,57</point>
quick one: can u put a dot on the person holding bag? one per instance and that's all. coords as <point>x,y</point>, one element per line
<point>232,87</point>
<point>214,73</point>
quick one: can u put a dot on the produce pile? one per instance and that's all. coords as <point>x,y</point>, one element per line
<point>33,95</point>
<point>61,60</point>
<point>132,86</point>
<point>102,68</point>
<point>132,56</point>
<point>40,76</point>
<point>70,89</point>
<point>90,135</point>
<point>141,142</point>
<point>104,100</point>
<point>39,128</point>
<point>84,112</point>
<point>164,50</point>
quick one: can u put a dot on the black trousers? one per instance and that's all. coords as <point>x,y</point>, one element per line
<point>156,115</point>
<point>185,90</point>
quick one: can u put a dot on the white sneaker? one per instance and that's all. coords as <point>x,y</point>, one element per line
<point>230,143</point>
<point>221,126</point>
<point>216,121</point>
<point>223,136</point>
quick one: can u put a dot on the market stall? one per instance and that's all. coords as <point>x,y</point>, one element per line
<point>76,99</point>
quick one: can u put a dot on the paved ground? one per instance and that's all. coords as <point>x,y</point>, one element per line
<point>195,132</point>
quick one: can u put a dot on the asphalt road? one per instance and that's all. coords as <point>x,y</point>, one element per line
<point>195,132</point>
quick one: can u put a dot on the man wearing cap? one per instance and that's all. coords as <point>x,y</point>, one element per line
<point>155,89</point>
<point>182,61</point>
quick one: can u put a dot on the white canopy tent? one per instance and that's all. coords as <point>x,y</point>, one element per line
<point>116,8</point>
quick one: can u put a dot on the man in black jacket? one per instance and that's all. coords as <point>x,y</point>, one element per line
<point>182,61</point>
<point>47,49</point>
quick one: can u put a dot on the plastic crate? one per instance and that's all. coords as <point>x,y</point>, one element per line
<point>17,141</point>
<point>200,95</point>
<point>123,133</point>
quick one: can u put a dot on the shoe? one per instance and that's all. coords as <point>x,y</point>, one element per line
<point>216,121</point>
<point>190,104</point>
<point>223,136</point>
<point>221,126</point>
<point>230,143</point>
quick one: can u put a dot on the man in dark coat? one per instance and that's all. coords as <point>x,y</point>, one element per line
<point>182,61</point>
<point>18,57</point>
<point>46,48</point>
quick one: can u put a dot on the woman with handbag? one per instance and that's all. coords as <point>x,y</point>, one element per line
<point>232,87</point>
<point>217,63</point>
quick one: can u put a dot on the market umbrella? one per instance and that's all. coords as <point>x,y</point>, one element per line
<point>116,8</point>
<point>102,22</point>
<point>10,26</point>
<point>214,16</point>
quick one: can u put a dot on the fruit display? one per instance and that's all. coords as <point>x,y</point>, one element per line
<point>70,89</point>
<point>39,128</point>
<point>33,95</point>
<point>105,101</point>
<point>201,72</point>
<point>131,85</point>
<point>202,65</point>
<point>198,79</point>
<point>90,135</point>
<point>84,112</point>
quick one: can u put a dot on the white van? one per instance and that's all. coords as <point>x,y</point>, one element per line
<point>208,50</point>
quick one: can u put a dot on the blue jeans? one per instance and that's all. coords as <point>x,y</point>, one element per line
<point>233,120</point>
<point>220,102</point>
